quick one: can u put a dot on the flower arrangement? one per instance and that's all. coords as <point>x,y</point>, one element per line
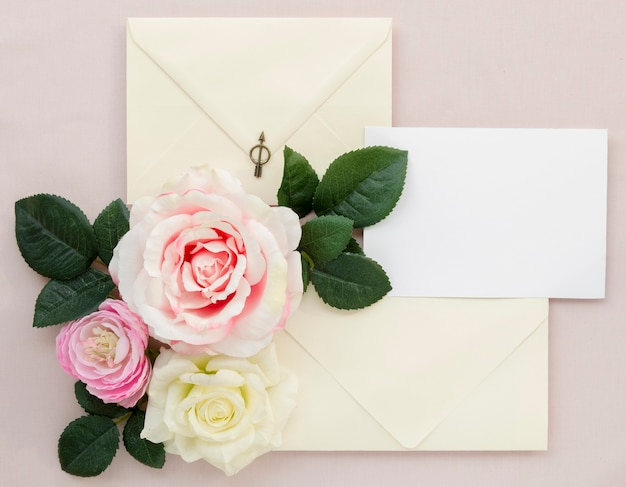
<point>168,311</point>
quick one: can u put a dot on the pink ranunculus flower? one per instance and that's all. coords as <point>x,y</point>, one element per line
<point>106,351</point>
<point>210,268</point>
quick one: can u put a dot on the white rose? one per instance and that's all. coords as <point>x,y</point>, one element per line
<point>221,409</point>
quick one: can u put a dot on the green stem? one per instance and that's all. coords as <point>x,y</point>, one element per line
<point>121,419</point>
<point>307,257</point>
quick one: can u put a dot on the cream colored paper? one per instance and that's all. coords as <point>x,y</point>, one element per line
<point>202,90</point>
<point>315,84</point>
<point>419,374</point>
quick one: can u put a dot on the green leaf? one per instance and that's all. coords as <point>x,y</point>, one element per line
<point>61,301</point>
<point>144,451</point>
<point>298,185</point>
<point>325,237</point>
<point>353,247</point>
<point>87,445</point>
<point>54,236</point>
<point>95,405</point>
<point>109,227</point>
<point>351,281</point>
<point>363,185</point>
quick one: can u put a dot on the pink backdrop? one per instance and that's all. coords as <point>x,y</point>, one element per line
<point>480,63</point>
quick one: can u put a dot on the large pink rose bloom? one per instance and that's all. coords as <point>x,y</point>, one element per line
<point>106,351</point>
<point>210,268</point>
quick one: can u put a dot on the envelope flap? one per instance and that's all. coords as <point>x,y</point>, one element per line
<point>405,361</point>
<point>253,75</point>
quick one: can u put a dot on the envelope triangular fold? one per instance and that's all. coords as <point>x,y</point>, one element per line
<point>415,358</point>
<point>254,75</point>
<point>214,112</point>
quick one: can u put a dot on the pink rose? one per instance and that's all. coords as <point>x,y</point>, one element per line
<point>106,351</point>
<point>210,268</point>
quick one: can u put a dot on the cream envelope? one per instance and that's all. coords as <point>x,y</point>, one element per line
<point>204,89</point>
<point>407,373</point>
<point>419,374</point>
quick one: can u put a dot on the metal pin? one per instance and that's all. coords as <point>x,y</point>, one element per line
<point>263,155</point>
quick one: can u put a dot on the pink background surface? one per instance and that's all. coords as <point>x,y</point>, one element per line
<point>481,63</point>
